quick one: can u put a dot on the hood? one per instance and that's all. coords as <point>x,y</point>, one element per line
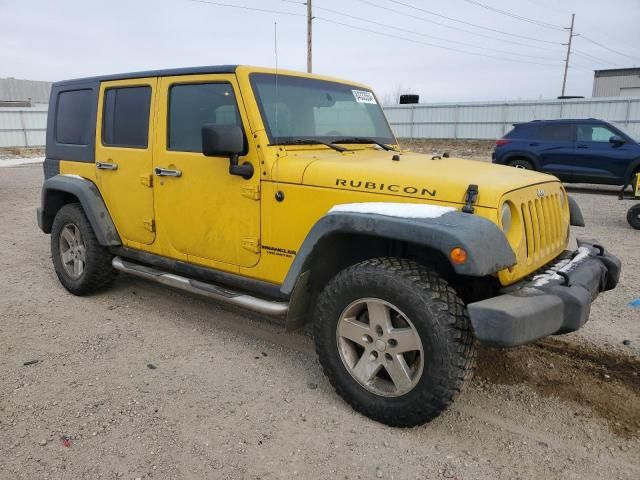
<point>413,175</point>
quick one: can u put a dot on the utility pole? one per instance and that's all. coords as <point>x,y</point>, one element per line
<point>309,36</point>
<point>566,62</point>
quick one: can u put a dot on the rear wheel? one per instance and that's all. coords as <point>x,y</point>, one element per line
<point>521,163</point>
<point>82,265</point>
<point>633,216</point>
<point>395,340</point>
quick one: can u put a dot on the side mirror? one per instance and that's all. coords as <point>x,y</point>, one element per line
<point>226,140</point>
<point>616,140</point>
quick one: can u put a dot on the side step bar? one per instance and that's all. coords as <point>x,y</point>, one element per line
<point>221,294</point>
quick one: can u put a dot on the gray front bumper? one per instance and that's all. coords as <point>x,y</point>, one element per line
<point>557,301</point>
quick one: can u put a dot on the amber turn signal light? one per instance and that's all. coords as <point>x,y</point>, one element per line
<point>458,256</point>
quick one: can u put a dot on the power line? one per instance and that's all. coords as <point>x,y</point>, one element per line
<point>608,48</point>
<point>588,56</point>
<point>404,30</point>
<point>255,9</point>
<point>327,20</point>
<point>515,15</point>
<point>429,12</point>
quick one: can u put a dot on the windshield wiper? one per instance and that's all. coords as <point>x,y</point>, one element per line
<point>311,141</point>
<point>365,140</point>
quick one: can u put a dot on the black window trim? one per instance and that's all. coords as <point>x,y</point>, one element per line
<point>103,143</point>
<point>200,82</point>
<point>57,106</point>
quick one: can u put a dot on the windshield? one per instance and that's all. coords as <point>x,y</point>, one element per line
<point>295,108</point>
<point>628,132</point>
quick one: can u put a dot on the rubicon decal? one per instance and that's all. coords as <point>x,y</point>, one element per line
<point>385,187</point>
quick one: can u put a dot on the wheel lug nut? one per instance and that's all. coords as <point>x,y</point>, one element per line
<point>388,357</point>
<point>374,354</point>
<point>393,342</point>
<point>379,330</point>
<point>367,339</point>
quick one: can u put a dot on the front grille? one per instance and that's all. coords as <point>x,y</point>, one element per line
<point>543,226</point>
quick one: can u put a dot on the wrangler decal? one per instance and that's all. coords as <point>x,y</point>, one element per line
<point>393,188</point>
<point>280,252</point>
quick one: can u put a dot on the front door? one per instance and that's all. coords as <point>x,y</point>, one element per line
<point>124,162</point>
<point>204,212</point>
<point>599,160</point>
<point>554,144</point>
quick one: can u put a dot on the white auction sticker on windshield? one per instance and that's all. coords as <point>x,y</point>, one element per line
<point>362,96</point>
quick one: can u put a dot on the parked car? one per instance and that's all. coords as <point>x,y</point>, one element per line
<point>578,151</point>
<point>296,202</point>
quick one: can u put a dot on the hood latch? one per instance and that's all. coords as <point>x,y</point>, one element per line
<point>470,197</point>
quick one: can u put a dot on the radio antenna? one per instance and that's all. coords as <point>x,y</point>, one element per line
<point>275,43</point>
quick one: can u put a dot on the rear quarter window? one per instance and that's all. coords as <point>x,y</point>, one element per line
<point>126,117</point>
<point>73,124</point>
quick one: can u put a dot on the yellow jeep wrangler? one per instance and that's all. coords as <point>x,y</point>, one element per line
<point>287,194</point>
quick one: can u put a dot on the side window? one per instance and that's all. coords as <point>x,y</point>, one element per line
<point>125,120</point>
<point>555,133</point>
<point>193,105</point>
<point>73,117</point>
<point>594,133</point>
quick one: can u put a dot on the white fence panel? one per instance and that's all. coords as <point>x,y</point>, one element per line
<point>490,120</point>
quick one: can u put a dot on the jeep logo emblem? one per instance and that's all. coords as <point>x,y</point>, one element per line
<point>540,192</point>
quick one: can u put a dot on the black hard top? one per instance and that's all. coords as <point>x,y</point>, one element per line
<point>561,120</point>
<point>154,73</point>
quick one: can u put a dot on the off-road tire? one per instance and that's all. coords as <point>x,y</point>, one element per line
<point>437,313</point>
<point>633,216</point>
<point>521,163</point>
<point>98,273</point>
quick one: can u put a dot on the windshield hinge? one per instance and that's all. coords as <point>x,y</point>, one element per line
<point>251,191</point>
<point>470,197</point>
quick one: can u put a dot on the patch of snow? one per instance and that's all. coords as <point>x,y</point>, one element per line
<point>400,210</point>
<point>564,266</point>
<point>14,162</point>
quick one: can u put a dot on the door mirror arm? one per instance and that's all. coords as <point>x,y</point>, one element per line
<point>245,170</point>
<point>616,140</point>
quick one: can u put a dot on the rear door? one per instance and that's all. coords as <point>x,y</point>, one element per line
<point>597,160</point>
<point>124,156</point>
<point>554,145</point>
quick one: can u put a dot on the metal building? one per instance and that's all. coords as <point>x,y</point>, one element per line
<point>617,82</point>
<point>23,92</point>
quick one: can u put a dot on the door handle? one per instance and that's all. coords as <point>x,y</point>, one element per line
<point>106,166</point>
<point>165,172</point>
<point>583,146</point>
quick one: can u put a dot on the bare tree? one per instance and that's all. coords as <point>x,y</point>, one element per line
<point>393,97</point>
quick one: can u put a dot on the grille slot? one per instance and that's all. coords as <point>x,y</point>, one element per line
<point>542,222</point>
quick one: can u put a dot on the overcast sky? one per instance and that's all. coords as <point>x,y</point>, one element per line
<point>54,40</point>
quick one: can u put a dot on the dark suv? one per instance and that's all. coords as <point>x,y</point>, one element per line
<point>579,151</point>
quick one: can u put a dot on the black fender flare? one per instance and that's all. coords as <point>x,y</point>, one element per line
<point>526,155</point>
<point>488,250</point>
<point>56,189</point>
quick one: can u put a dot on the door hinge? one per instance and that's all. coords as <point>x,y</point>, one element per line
<point>252,244</point>
<point>146,180</point>
<point>251,191</point>
<point>149,224</point>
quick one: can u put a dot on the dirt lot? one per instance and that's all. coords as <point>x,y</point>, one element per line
<point>146,382</point>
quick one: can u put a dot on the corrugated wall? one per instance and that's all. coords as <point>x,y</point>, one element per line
<point>490,120</point>
<point>23,126</point>
<point>20,127</point>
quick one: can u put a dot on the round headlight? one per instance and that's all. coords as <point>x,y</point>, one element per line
<point>505,218</point>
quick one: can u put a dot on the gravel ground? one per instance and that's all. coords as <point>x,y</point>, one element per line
<point>146,382</point>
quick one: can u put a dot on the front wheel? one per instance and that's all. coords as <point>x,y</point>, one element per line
<point>633,216</point>
<point>395,340</point>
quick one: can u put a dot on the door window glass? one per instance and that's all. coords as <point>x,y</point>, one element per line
<point>594,133</point>
<point>555,133</point>
<point>193,105</point>
<point>126,117</point>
